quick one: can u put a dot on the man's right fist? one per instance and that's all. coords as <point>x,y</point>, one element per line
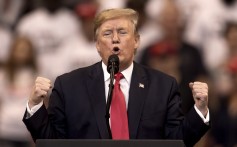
<point>39,91</point>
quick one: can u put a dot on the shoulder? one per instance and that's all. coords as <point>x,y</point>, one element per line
<point>156,79</point>
<point>81,73</point>
<point>153,73</point>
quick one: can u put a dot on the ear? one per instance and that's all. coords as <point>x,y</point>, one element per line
<point>137,41</point>
<point>97,46</point>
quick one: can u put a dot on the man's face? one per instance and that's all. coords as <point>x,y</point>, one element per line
<point>116,36</point>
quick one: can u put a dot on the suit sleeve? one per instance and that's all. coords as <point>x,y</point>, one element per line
<point>49,124</point>
<point>189,128</point>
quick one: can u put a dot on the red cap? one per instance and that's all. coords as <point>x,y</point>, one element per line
<point>162,49</point>
<point>86,10</point>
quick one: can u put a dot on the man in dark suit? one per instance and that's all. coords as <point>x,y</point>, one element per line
<point>78,100</point>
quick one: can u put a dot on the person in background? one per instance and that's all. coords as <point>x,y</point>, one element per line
<point>173,55</point>
<point>206,20</point>
<point>51,27</point>
<point>84,51</point>
<point>147,27</point>
<point>17,77</point>
<point>224,130</point>
<point>221,73</point>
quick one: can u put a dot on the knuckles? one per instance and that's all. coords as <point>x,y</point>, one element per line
<point>41,87</point>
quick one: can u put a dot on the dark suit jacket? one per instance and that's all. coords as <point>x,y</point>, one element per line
<point>77,108</point>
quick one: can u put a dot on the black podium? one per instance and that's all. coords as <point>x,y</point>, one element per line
<point>107,143</point>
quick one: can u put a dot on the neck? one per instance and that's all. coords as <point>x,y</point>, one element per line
<point>123,67</point>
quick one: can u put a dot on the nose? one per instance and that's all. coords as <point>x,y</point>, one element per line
<point>115,38</point>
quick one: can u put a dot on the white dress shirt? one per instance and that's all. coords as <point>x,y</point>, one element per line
<point>124,82</point>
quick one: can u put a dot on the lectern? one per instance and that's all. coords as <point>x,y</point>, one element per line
<point>107,143</point>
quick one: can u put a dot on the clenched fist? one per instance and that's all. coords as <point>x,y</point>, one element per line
<point>200,95</point>
<point>39,91</point>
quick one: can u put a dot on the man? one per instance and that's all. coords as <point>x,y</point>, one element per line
<point>78,100</point>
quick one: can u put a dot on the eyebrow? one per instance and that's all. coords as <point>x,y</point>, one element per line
<point>121,28</point>
<point>110,29</point>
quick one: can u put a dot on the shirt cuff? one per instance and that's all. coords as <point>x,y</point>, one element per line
<point>32,111</point>
<point>205,120</point>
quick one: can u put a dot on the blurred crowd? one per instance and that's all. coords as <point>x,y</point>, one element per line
<point>193,40</point>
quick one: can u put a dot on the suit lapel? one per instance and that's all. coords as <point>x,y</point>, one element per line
<point>137,95</point>
<point>96,88</point>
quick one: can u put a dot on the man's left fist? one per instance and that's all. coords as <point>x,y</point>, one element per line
<point>200,95</point>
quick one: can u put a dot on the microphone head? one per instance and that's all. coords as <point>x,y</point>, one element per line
<point>113,61</point>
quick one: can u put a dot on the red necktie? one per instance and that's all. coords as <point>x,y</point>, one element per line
<point>119,118</point>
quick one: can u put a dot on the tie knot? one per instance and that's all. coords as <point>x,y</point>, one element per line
<point>118,76</point>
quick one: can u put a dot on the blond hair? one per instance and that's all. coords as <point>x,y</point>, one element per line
<point>113,14</point>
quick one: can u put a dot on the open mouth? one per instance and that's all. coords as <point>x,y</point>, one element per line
<point>116,50</point>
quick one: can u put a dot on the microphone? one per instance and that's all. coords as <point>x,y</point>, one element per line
<point>113,64</point>
<point>112,68</point>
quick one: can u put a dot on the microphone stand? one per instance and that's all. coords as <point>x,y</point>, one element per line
<point>109,99</point>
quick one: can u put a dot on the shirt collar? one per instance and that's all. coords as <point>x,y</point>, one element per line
<point>127,73</point>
